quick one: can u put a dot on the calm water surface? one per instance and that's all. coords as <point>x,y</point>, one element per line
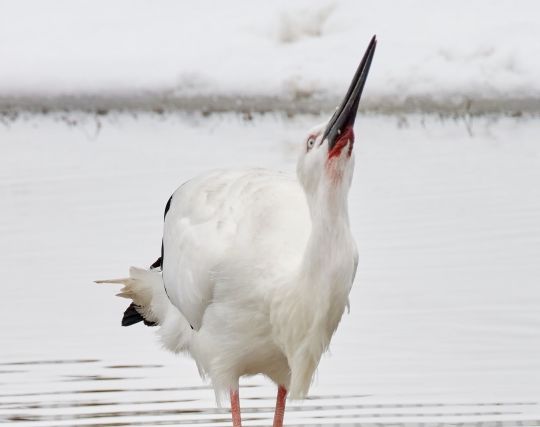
<point>444,326</point>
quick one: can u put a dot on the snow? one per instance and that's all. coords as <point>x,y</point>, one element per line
<point>444,312</point>
<point>459,56</point>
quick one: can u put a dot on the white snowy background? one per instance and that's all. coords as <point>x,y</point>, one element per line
<point>431,54</point>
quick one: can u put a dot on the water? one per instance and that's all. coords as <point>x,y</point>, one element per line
<point>96,393</point>
<point>444,326</point>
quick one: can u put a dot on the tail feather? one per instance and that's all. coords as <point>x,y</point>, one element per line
<point>151,305</point>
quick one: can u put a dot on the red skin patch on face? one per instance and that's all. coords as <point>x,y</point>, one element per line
<point>345,137</point>
<point>333,168</point>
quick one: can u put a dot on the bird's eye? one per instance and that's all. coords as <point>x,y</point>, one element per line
<point>310,142</point>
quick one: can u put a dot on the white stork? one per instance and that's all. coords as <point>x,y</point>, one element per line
<point>256,265</point>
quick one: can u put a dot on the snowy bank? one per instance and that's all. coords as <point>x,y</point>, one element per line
<point>451,57</point>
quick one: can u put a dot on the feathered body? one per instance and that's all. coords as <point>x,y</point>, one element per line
<point>248,284</point>
<point>256,265</point>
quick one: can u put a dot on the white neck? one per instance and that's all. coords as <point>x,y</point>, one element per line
<point>330,239</point>
<point>312,308</point>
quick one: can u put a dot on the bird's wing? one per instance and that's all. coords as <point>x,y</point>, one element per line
<point>254,214</point>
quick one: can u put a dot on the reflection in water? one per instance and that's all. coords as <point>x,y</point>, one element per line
<point>122,406</point>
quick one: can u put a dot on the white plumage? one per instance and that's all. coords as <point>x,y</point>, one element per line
<point>257,265</point>
<point>234,243</point>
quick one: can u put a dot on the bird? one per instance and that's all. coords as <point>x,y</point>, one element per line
<point>256,265</point>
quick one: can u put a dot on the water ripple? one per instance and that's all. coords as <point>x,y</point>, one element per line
<point>119,406</point>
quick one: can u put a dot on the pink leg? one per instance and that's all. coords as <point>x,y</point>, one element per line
<point>235,408</point>
<point>280,406</point>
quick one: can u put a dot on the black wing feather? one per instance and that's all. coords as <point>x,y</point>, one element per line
<point>132,316</point>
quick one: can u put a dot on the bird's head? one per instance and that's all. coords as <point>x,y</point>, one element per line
<point>326,159</point>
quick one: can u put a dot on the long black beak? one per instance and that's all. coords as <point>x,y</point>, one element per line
<point>345,115</point>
